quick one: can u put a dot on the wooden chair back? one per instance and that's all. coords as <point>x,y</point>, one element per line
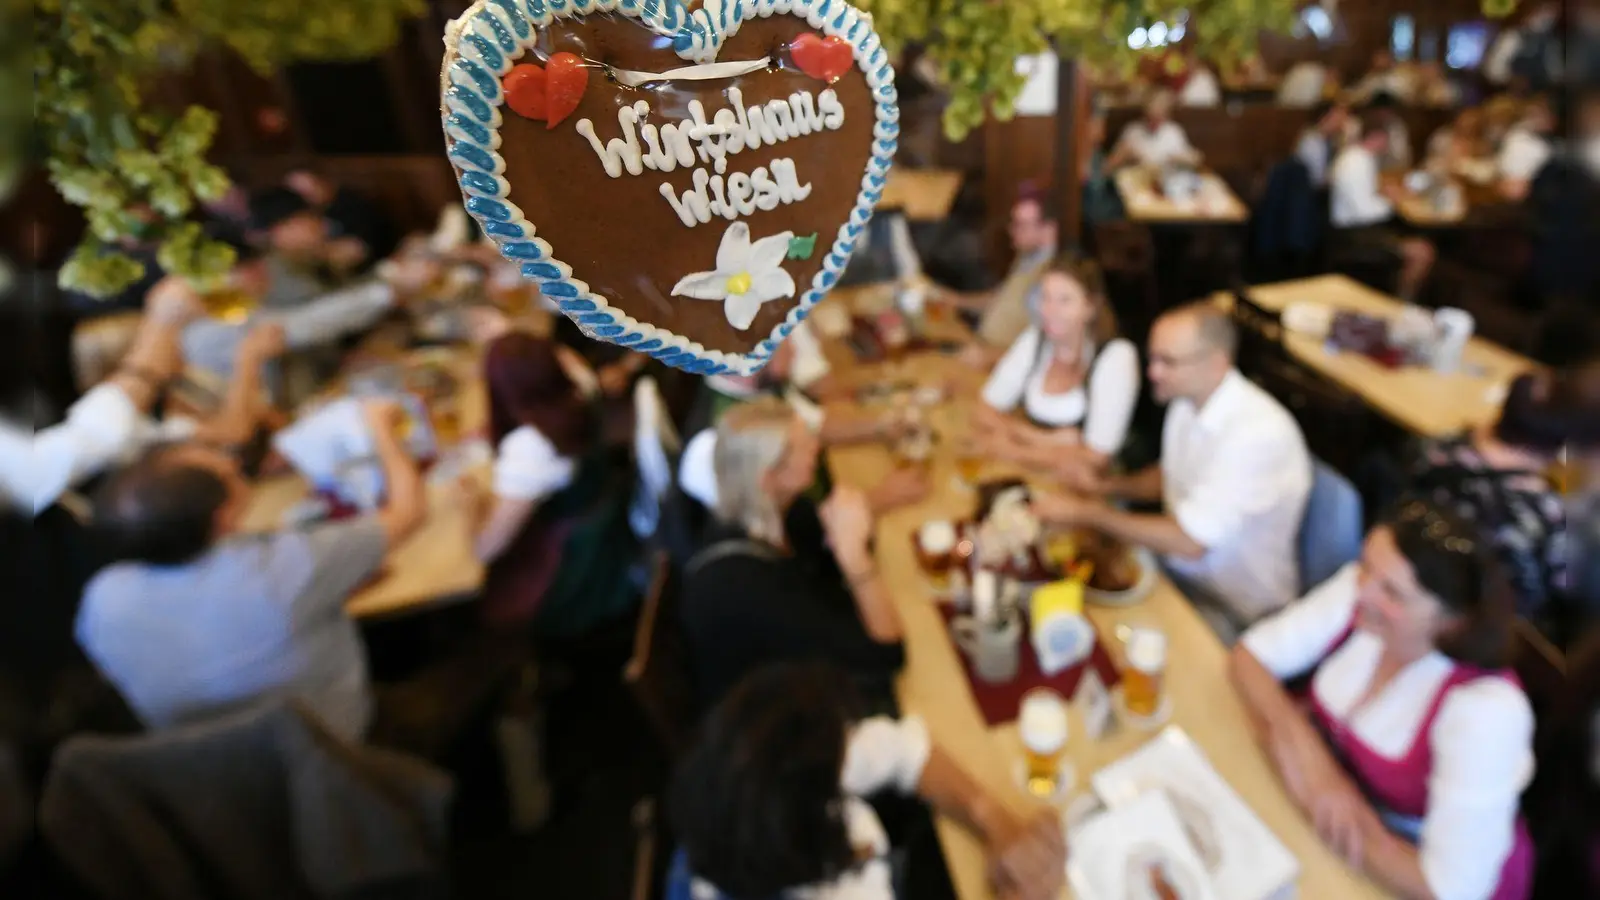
<point>657,674</point>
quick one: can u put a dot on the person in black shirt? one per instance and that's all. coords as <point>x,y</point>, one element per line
<point>778,577</point>
<point>360,233</point>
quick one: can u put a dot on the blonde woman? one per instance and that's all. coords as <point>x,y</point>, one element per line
<point>1074,381</point>
<point>777,577</point>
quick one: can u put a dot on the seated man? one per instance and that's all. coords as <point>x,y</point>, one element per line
<point>197,619</point>
<point>1007,311</point>
<point>1320,140</point>
<point>1361,210</point>
<point>1154,141</point>
<point>359,231</point>
<point>1525,150</point>
<point>1233,480</point>
<point>209,344</point>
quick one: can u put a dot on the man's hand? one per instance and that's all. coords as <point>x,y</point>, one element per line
<point>384,418</point>
<point>263,342</point>
<point>1064,509</point>
<point>411,274</point>
<point>173,302</point>
<point>1027,854</point>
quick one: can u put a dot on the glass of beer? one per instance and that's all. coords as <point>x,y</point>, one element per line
<point>936,552</point>
<point>1042,723</point>
<point>228,303</point>
<point>1142,681</point>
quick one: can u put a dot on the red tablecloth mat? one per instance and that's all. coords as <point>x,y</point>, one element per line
<point>1000,702</point>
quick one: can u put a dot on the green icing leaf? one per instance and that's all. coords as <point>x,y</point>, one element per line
<point>803,247</point>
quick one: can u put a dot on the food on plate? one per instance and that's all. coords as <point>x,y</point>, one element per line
<point>1115,568</point>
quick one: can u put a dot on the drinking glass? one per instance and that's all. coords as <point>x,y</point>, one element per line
<point>1042,723</point>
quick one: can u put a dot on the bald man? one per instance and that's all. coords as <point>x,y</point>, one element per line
<point>1233,478</point>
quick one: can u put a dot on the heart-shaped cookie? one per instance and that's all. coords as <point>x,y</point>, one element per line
<point>674,200</point>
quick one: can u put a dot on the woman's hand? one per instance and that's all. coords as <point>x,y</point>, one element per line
<point>1027,853</point>
<point>1343,818</point>
<point>847,521</point>
<point>902,487</point>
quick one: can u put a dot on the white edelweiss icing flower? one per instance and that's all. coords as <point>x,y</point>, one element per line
<point>747,275</point>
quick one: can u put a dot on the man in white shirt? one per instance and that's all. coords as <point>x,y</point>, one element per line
<point>1201,89</point>
<point>1530,53</point>
<point>1155,140</point>
<point>1525,150</point>
<point>1361,208</point>
<point>1320,139</point>
<point>1304,86</point>
<point>1233,479</point>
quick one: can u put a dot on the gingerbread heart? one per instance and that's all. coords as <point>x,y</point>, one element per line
<point>672,200</point>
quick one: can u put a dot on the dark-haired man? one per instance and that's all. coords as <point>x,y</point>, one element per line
<point>197,619</point>
<point>1321,139</point>
<point>1005,312</point>
<point>1362,209</point>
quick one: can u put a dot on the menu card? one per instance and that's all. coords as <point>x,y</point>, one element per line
<point>1244,859</point>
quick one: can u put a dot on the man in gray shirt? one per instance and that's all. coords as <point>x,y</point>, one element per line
<point>198,619</point>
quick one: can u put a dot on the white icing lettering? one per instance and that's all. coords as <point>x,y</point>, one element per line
<point>694,208</point>
<point>832,110</point>
<point>617,152</point>
<point>806,117</point>
<point>740,193</point>
<point>790,190</point>
<point>767,198</point>
<point>709,141</point>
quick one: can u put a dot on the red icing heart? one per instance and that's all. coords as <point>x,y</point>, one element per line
<point>567,78</point>
<point>525,90</point>
<point>823,58</point>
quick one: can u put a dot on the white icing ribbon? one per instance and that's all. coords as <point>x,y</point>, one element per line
<point>703,72</point>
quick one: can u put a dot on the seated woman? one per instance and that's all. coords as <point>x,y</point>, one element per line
<point>1419,740</point>
<point>555,534</point>
<point>1495,475</point>
<point>778,577</point>
<point>1461,141</point>
<point>769,803</point>
<point>1076,382</point>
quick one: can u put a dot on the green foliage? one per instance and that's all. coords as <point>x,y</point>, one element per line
<point>975,43</point>
<point>139,171</point>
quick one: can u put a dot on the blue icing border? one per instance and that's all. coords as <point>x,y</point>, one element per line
<point>488,38</point>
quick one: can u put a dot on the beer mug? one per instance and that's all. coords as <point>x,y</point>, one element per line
<point>1142,682</point>
<point>1042,723</point>
<point>936,552</point>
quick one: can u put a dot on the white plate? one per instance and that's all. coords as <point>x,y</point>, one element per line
<point>1149,577</point>
<point>1110,852</point>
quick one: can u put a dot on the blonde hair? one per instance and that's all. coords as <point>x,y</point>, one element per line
<point>751,439</point>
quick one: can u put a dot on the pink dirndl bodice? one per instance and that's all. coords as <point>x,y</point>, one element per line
<point>1401,785</point>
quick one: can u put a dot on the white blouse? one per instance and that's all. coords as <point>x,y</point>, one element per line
<point>883,753</point>
<point>528,467</point>
<point>1482,740</point>
<point>1102,406</point>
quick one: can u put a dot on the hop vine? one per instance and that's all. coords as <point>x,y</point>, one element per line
<point>137,170</point>
<point>975,44</point>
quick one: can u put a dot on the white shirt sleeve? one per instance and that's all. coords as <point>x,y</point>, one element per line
<point>1482,759</point>
<point>1522,156</point>
<point>810,364</point>
<point>1228,489</point>
<point>884,753</point>
<point>1113,393</point>
<point>1009,380</point>
<point>1290,642</point>
<point>100,429</point>
<point>1497,67</point>
<point>527,466</point>
<point>1355,198</point>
